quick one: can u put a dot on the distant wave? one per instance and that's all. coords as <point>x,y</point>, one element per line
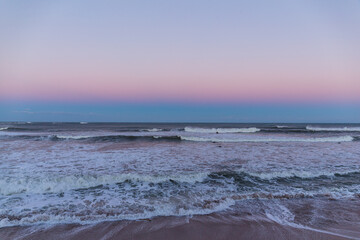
<point>152,130</point>
<point>107,138</point>
<point>70,137</point>
<point>5,128</point>
<point>334,129</point>
<point>20,129</point>
<point>124,138</point>
<point>116,138</point>
<point>270,139</point>
<point>281,126</point>
<point>221,130</point>
<point>83,122</point>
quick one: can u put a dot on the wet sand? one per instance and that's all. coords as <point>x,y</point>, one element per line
<point>213,226</point>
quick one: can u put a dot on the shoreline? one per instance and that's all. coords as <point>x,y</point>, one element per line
<point>211,226</point>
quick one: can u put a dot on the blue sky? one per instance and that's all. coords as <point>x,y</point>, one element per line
<point>177,112</point>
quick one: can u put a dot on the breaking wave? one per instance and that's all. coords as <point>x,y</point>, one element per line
<point>73,182</point>
<point>221,130</point>
<point>152,130</point>
<point>124,138</point>
<point>65,183</point>
<point>281,126</point>
<point>19,129</point>
<point>333,129</point>
<point>270,139</point>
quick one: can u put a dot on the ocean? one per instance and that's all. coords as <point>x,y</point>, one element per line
<point>303,176</point>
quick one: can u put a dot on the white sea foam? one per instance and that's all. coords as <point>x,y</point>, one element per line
<point>164,209</point>
<point>269,139</point>
<point>72,137</point>
<point>334,129</point>
<point>221,130</point>
<point>83,123</point>
<point>152,130</point>
<point>282,215</point>
<point>1,129</point>
<point>299,173</point>
<point>65,183</point>
<point>281,126</point>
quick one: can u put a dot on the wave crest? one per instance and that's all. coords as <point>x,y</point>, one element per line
<point>65,183</point>
<point>221,130</point>
<point>270,139</point>
<point>52,184</point>
<point>333,129</point>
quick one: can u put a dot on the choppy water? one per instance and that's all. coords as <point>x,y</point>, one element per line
<point>90,172</point>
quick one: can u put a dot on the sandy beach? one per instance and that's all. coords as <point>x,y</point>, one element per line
<point>212,226</point>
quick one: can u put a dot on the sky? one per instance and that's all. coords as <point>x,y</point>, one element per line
<point>204,60</point>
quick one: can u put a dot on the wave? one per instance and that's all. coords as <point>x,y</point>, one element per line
<point>269,139</point>
<point>106,138</point>
<point>89,198</point>
<point>83,122</point>
<point>294,175</point>
<point>281,126</point>
<point>19,129</point>
<point>302,174</point>
<point>152,130</point>
<point>90,212</point>
<point>116,138</point>
<point>5,128</point>
<point>221,130</point>
<point>333,129</point>
<point>70,137</point>
<point>66,183</point>
<point>124,138</point>
<point>356,138</point>
<point>50,184</point>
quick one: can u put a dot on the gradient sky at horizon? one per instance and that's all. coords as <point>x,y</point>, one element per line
<point>178,53</point>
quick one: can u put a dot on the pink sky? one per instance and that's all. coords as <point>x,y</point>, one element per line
<point>230,52</point>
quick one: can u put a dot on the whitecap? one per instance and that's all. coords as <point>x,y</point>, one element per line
<point>64,183</point>
<point>152,130</point>
<point>334,129</point>
<point>221,130</point>
<point>269,139</point>
<point>72,137</point>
